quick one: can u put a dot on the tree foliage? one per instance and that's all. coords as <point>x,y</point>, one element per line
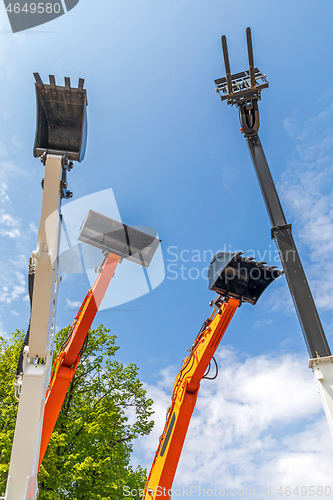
<point>104,411</point>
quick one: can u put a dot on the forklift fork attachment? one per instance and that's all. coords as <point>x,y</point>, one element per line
<point>243,278</point>
<point>240,87</point>
<point>250,56</point>
<point>226,63</point>
<point>112,236</point>
<point>61,127</point>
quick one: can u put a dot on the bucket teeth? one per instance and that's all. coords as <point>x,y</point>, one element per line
<point>270,268</point>
<point>38,79</point>
<point>67,83</point>
<point>232,275</point>
<point>81,83</point>
<point>52,81</point>
<point>261,264</point>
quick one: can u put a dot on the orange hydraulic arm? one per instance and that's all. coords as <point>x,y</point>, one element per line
<point>68,359</point>
<point>184,397</point>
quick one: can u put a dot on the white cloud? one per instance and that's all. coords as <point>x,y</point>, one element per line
<point>72,304</point>
<point>3,333</point>
<point>20,262</point>
<point>7,219</point>
<point>12,233</point>
<point>263,323</point>
<point>278,301</point>
<point>10,225</point>
<point>3,192</point>
<point>12,288</point>
<point>9,170</point>
<point>32,229</point>
<point>307,192</point>
<point>259,424</point>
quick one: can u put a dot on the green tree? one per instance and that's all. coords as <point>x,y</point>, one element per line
<point>9,352</point>
<point>104,411</point>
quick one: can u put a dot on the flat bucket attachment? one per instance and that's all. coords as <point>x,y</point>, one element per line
<point>113,236</point>
<point>61,126</point>
<point>230,274</point>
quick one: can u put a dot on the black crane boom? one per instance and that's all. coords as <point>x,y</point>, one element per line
<point>244,91</point>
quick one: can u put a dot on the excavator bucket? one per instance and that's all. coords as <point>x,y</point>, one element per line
<point>61,126</point>
<point>232,275</point>
<point>112,236</point>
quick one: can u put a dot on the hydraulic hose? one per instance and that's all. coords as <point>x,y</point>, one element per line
<point>31,277</point>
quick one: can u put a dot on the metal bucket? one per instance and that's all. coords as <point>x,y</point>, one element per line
<point>113,236</point>
<point>230,274</point>
<point>61,126</point>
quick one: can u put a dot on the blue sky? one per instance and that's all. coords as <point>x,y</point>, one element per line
<point>171,152</point>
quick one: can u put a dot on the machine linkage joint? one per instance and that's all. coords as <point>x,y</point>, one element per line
<point>276,229</point>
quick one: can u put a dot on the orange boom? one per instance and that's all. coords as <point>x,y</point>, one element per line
<point>236,279</point>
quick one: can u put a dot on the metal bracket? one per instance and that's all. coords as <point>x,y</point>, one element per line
<point>316,362</point>
<point>66,167</point>
<point>216,304</point>
<point>276,229</point>
<point>43,158</point>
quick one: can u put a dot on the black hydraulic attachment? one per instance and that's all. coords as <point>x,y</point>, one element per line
<point>244,91</point>
<point>61,127</point>
<point>112,236</point>
<point>232,275</point>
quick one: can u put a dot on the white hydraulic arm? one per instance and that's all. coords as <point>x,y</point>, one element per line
<point>37,360</point>
<point>60,139</point>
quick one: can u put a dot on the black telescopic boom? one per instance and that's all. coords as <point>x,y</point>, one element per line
<point>281,231</point>
<point>246,94</point>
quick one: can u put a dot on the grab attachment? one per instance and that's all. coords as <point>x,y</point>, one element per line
<point>61,127</point>
<point>243,278</point>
